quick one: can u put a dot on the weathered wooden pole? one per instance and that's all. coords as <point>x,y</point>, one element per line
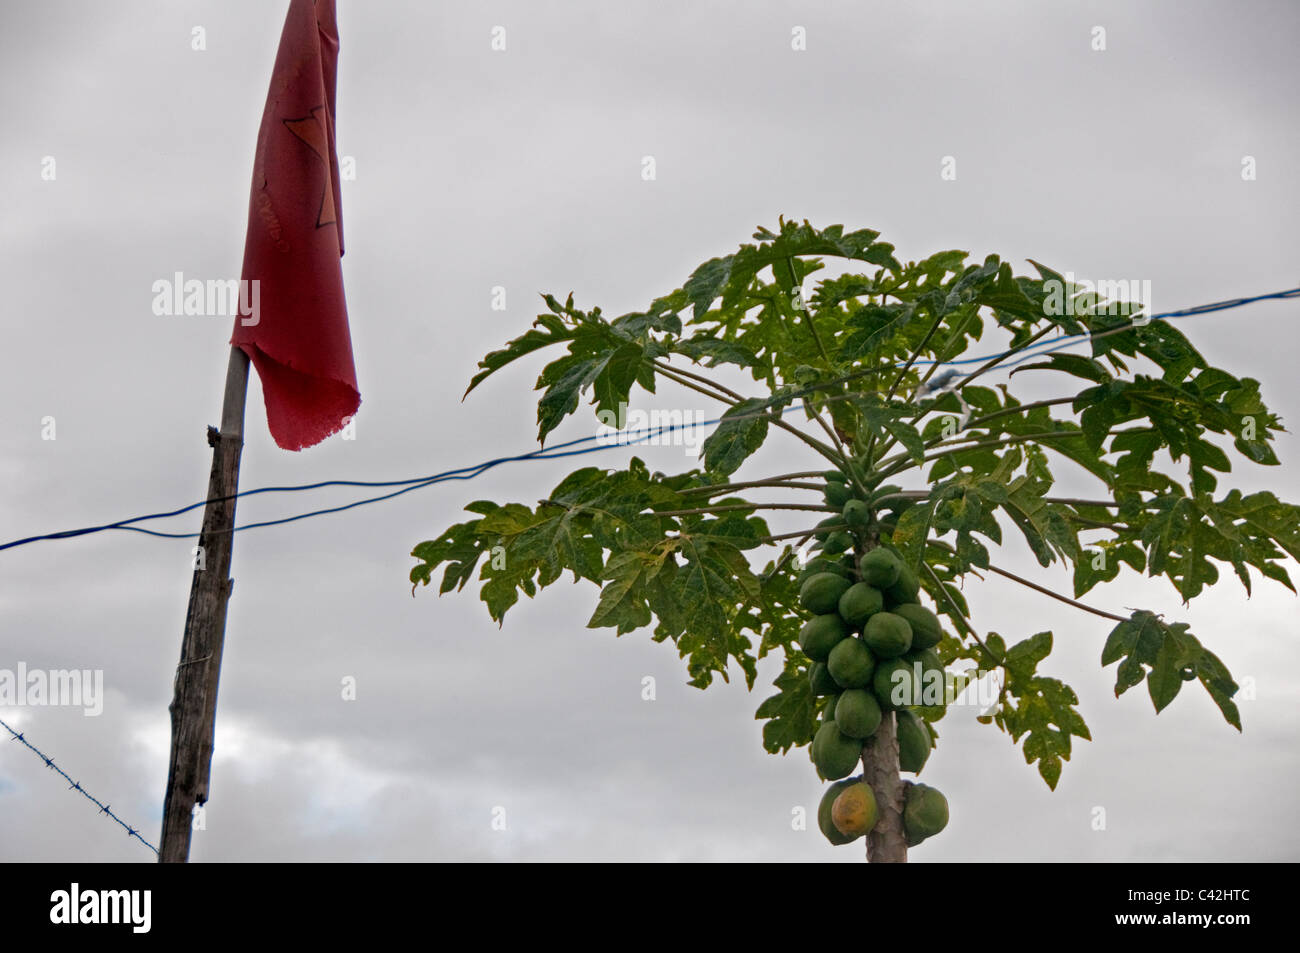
<point>194,700</point>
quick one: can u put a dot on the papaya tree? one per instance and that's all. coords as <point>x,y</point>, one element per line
<point>917,459</point>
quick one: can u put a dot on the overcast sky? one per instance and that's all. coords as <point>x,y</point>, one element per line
<point>522,169</point>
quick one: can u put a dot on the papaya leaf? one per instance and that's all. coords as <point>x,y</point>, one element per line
<point>1166,655</point>
<point>886,419</point>
<point>742,430</point>
<point>912,530</point>
<point>1184,534</point>
<point>1023,657</point>
<point>871,325</point>
<point>553,331</point>
<point>1074,364</point>
<point>1100,562</point>
<point>460,547</point>
<point>791,714</point>
<point>1040,709</point>
<point>712,352</point>
<point>607,366</point>
<point>622,603</point>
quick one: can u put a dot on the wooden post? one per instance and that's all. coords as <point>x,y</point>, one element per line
<point>194,700</point>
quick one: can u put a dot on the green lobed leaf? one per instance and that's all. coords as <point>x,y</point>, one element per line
<point>1148,647</point>
<point>742,430</point>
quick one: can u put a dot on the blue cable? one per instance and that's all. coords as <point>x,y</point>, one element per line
<point>1033,351</point>
<point>462,473</point>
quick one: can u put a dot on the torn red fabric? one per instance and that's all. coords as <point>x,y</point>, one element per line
<point>297,336</point>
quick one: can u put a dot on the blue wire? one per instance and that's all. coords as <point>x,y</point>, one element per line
<point>1033,351</point>
<point>462,473</point>
<point>454,475</point>
<point>415,483</point>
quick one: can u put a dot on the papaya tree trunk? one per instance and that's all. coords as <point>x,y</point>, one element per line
<point>886,843</point>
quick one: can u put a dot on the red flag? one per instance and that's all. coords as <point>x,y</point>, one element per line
<point>298,337</point>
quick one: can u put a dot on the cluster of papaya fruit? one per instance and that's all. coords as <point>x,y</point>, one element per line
<point>848,810</point>
<point>870,644</point>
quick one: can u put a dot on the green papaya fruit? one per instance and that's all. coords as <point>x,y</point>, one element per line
<point>828,713</point>
<point>835,476</point>
<point>929,660</point>
<point>857,514</point>
<point>828,829</point>
<point>905,590</point>
<point>834,753</point>
<point>837,542</point>
<point>925,813</point>
<point>820,681</point>
<point>859,603</point>
<point>854,811</point>
<point>821,564</point>
<point>820,634</point>
<point>880,568</point>
<point>837,494</point>
<point>894,684</point>
<point>933,677</point>
<point>913,742</point>
<point>822,529</point>
<point>851,663</point>
<point>926,630</point>
<point>857,713</point>
<point>887,635</point>
<point>820,593</point>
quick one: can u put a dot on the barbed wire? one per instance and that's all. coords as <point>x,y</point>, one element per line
<point>103,808</point>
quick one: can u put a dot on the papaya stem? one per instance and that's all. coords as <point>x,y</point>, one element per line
<point>803,532</point>
<point>903,461</point>
<point>964,623</point>
<point>703,510</point>
<point>978,421</point>
<point>1093,524</point>
<point>664,366</point>
<point>1025,582</point>
<point>807,312</point>
<point>776,482</point>
<point>1056,595</point>
<point>785,558</point>
<point>1065,500</point>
